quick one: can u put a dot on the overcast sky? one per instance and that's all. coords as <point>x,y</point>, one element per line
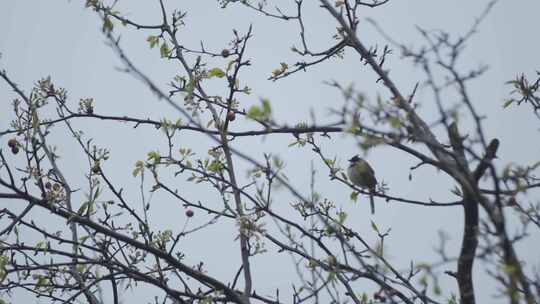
<point>63,39</point>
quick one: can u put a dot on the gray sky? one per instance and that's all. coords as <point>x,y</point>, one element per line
<point>63,40</point>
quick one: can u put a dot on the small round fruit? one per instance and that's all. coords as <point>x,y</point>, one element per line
<point>12,143</point>
<point>15,150</point>
<point>231,116</point>
<point>225,53</point>
<point>90,110</point>
<point>48,185</point>
<point>96,169</point>
<point>190,213</point>
<point>56,187</point>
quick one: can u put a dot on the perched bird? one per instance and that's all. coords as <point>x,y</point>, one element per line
<point>362,175</point>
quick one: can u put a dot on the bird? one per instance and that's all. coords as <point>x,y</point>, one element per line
<point>362,175</point>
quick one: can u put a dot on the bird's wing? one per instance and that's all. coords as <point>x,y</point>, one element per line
<point>371,176</point>
<point>371,171</point>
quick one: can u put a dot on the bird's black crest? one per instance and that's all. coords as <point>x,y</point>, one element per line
<point>354,158</point>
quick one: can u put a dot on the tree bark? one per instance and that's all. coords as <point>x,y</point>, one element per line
<point>468,250</point>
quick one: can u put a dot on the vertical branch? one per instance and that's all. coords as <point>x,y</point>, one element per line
<point>244,246</point>
<point>244,250</point>
<point>244,238</point>
<point>469,242</point>
<point>468,249</point>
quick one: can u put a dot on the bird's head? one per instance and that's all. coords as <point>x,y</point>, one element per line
<point>355,159</point>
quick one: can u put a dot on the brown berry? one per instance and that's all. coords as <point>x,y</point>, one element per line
<point>190,213</point>
<point>96,169</point>
<point>15,150</point>
<point>12,143</point>
<point>56,187</point>
<point>90,110</point>
<point>231,116</point>
<point>225,53</point>
<point>48,185</point>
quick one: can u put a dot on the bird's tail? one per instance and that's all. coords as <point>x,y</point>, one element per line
<point>372,203</point>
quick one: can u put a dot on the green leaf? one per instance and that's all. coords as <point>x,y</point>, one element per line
<point>364,298</point>
<point>354,196</point>
<point>82,209</point>
<point>374,227</point>
<point>107,25</point>
<point>153,156</point>
<point>35,120</point>
<point>3,270</point>
<point>508,103</point>
<point>282,68</point>
<point>437,290</point>
<point>189,88</point>
<point>153,41</point>
<point>215,166</point>
<point>41,245</point>
<point>80,268</point>
<point>41,282</point>
<point>423,281</point>
<point>216,72</point>
<point>96,194</point>
<point>178,123</point>
<point>254,113</point>
<point>332,276</point>
<point>164,50</point>
<point>139,166</point>
<point>260,113</point>
<point>294,143</point>
<point>277,162</point>
<point>266,107</point>
<point>342,216</point>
